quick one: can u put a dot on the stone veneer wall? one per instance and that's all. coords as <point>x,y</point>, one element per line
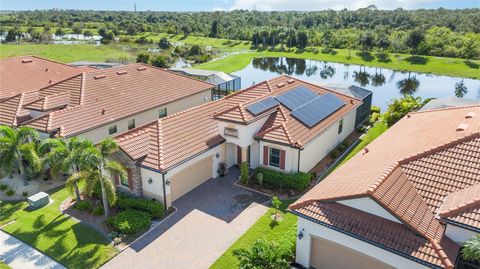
<point>136,188</point>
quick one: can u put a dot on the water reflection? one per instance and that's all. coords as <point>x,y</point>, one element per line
<point>385,83</point>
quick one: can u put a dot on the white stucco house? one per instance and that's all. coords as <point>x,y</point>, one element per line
<point>409,200</point>
<point>284,124</point>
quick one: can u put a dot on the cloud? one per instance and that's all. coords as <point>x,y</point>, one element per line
<point>268,5</point>
<point>218,9</point>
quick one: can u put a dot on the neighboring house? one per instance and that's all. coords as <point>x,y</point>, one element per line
<point>103,103</point>
<point>225,82</point>
<point>28,73</point>
<point>96,65</point>
<point>363,111</point>
<point>449,102</point>
<point>284,124</point>
<point>408,200</point>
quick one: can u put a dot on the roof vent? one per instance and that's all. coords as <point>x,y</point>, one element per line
<point>462,127</point>
<point>290,81</point>
<point>281,84</point>
<point>141,68</point>
<point>352,102</point>
<point>104,111</point>
<point>46,69</point>
<point>99,76</point>
<point>50,82</point>
<point>470,115</point>
<point>122,72</point>
<point>27,60</point>
<point>365,151</point>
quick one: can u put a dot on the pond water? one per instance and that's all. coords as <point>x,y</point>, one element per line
<point>385,83</point>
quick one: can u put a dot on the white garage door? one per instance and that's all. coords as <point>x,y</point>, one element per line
<point>328,255</point>
<point>190,177</point>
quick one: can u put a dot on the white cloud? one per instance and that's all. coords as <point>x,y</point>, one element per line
<point>268,5</point>
<point>218,9</point>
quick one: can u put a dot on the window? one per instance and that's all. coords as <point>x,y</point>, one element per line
<point>124,182</point>
<point>274,157</point>
<point>131,124</point>
<point>162,112</point>
<point>230,132</point>
<point>112,130</point>
<point>340,126</point>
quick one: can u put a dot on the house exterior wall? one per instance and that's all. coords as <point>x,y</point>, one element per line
<point>458,234</point>
<point>246,133</point>
<point>291,157</point>
<point>318,148</point>
<point>313,230</point>
<point>101,132</point>
<point>368,205</point>
<point>363,111</point>
<point>153,190</point>
<point>136,178</point>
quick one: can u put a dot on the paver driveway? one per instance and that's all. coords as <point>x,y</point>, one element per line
<point>208,220</point>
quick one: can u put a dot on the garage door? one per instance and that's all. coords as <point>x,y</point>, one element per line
<point>190,177</point>
<point>327,255</point>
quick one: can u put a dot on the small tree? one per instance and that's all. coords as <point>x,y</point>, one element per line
<point>143,58</point>
<point>276,204</point>
<point>400,107</point>
<point>471,250</point>
<point>460,89</point>
<point>164,43</point>
<point>244,172</point>
<point>159,61</point>
<point>262,255</point>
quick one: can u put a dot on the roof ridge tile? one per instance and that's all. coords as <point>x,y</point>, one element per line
<point>444,108</point>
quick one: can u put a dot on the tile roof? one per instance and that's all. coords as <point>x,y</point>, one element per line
<point>164,143</point>
<point>412,170</point>
<point>385,233</point>
<point>27,73</point>
<point>102,96</point>
<point>290,129</point>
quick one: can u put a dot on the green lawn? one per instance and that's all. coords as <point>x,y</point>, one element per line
<point>283,234</point>
<point>443,66</point>
<point>4,266</point>
<point>73,244</point>
<point>67,53</point>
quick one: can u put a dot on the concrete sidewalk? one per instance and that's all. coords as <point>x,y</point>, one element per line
<point>19,255</point>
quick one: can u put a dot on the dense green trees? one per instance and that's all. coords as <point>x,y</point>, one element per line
<point>441,32</point>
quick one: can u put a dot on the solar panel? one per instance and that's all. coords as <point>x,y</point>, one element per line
<point>261,106</point>
<point>296,97</point>
<point>318,109</point>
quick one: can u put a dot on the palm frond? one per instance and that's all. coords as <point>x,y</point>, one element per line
<point>76,178</point>
<point>50,144</point>
<point>108,146</point>
<point>29,153</point>
<point>109,190</point>
<point>27,134</point>
<point>7,131</point>
<point>116,169</point>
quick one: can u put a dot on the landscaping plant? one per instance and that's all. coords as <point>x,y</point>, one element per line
<point>18,146</point>
<point>471,249</point>
<point>244,172</point>
<point>83,205</point>
<point>10,192</point>
<point>296,181</point>
<point>276,204</point>
<point>130,221</point>
<point>3,187</point>
<point>262,255</point>
<point>153,208</point>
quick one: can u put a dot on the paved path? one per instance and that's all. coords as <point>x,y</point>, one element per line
<point>208,221</point>
<point>19,255</point>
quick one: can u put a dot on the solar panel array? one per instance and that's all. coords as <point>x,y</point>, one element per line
<point>263,105</point>
<point>296,97</point>
<point>318,109</point>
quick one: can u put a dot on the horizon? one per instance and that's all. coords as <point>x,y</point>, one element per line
<point>231,5</point>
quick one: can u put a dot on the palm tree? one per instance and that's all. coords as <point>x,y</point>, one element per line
<point>471,250</point>
<point>98,168</point>
<point>378,79</point>
<point>17,146</point>
<point>61,155</point>
<point>460,89</point>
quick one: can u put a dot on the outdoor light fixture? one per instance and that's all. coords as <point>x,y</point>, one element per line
<point>167,182</point>
<point>217,155</point>
<point>150,180</point>
<point>300,234</point>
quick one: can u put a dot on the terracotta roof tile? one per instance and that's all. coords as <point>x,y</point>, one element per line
<point>27,73</point>
<point>386,233</point>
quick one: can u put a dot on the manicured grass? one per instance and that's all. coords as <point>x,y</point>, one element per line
<point>67,53</point>
<point>73,244</point>
<point>437,65</point>
<point>284,234</point>
<point>4,266</point>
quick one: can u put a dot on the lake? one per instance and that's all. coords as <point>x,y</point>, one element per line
<point>384,83</point>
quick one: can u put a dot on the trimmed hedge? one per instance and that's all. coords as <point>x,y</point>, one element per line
<point>153,208</point>
<point>296,181</point>
<point>130,221</point>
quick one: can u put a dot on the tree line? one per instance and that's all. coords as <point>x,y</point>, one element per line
<point>440,32</point>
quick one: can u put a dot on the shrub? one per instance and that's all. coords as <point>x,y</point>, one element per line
<point>334,153</point>
<point>153,208</point>
<point>259,177</point>
<point>3,187</point>
<point>374,118</point>
<point>83,205</point>
<point>130,221</point>
<point>375,109</point>
<point>98,211</point>
<point>244,172</point>
<point>262,254</point>
<point>10,192</point>
<point>296,181</point>
<point>24,194</point>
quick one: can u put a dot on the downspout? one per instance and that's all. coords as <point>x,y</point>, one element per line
<point>298,165</point>
<point>164,192</point>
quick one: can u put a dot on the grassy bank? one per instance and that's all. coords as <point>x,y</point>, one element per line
<point>425,64</point>
<point>67,53</point>
<point>69,242</point>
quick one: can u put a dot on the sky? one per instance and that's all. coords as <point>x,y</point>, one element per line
<point>227,5</point>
